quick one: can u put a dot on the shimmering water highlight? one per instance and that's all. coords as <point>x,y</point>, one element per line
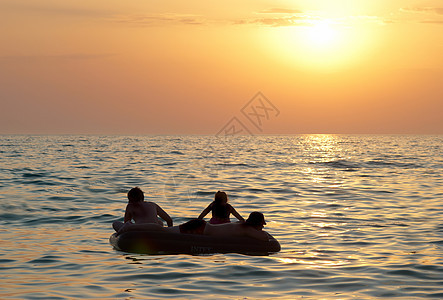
<point>358,217</point>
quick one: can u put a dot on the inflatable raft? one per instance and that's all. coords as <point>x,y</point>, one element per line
<point>160,242</point>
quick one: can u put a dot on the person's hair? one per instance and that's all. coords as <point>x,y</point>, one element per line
<point>220,206</point>
<point>136,195</point>
<point>220,197</point>
<point>256,219</point>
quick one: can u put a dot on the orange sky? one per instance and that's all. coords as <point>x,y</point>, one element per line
<point>189,67</point>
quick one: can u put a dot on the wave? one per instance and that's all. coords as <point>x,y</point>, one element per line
<point>339,164</point>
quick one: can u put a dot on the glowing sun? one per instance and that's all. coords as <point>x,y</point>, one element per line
<point>320,44</point>
<point>321,34</point>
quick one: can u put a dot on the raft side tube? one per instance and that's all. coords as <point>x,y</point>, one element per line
<point>160,242</point>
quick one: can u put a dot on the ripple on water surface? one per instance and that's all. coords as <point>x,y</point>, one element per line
<point>358,217</point>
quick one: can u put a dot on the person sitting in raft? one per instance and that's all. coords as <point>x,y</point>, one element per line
<point>221,210</point>
<point>252,227</point>
<point>141,211</point>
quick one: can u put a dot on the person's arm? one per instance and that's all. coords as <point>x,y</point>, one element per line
<point>164,215</point>
<point>205,211</point>
<point>236,214</point>
<point>128,215</point>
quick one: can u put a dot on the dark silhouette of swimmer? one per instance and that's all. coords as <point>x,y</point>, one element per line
<point>142,211</point>
<point>221,210</point>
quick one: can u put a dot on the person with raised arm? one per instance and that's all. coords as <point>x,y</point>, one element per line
<point>221,210</point>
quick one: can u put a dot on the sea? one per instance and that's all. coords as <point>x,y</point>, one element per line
<point>357,216</point>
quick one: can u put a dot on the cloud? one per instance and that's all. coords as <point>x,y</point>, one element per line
<point>423,10</point>
<point>369,20</point>
<point>288,19</point>
<point>275,17</point>
<point>280,17</point>
<point>284,17</point>
<point>432,22</point>
<point>160,19</point>
<point>277,10</point>
<point>433,14</point>
<point>309,20</point>
<point>281,21</point>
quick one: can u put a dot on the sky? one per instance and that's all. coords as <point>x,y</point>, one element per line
<point>221,67</point>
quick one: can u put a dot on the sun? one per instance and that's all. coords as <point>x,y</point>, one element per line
<point>321,34</point>
<point>323,39</point>
<point>319,44</point>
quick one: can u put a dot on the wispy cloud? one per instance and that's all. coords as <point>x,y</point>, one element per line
<point>160,19</point>
<point>423,10</point>
<point>377,20</point>
<point>308,20</point>
<point>433,15</point>
<point>280,21</point>
<point>165,19</point>
<point>432,22</point>
<point>274,17</point>
<point>285,17</point>
<point>278,10</point>
<point>280,17</point>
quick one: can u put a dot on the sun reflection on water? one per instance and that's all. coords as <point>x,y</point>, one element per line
<point>350,213</point>
<point>326,144</point>
<point>312,261</point>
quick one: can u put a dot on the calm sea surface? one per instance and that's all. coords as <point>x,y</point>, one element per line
<point>358,217</point>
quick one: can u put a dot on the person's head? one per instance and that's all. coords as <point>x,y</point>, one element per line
<point>256,219</point>
<point>220,198</point>
<point>135,195</point>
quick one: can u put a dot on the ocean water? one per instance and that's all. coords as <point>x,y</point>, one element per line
<point>358,217</point>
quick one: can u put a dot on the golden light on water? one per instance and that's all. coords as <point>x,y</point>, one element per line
<point>311,260</point>
<point>356,216</point>
<point>326,143</point>
<point>318,214</point>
